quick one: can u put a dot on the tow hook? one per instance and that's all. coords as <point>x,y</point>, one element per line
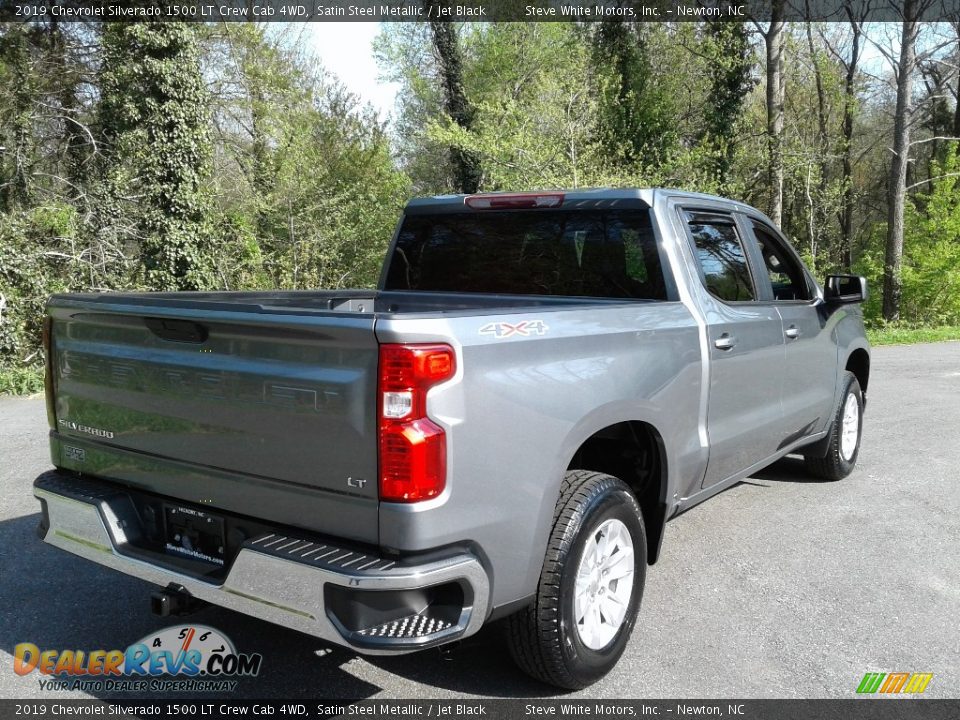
<point>174,600</point>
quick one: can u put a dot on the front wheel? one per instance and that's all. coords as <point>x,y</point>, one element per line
<point>590,587</point>
<point>843,445</point>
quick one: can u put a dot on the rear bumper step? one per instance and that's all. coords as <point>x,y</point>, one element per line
<point>363,601</point>
<point>412,626</point>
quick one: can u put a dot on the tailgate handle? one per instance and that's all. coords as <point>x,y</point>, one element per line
<point>177,330</point>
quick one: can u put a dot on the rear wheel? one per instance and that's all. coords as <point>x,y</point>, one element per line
<point>590,587</point>
<point>844,439</point>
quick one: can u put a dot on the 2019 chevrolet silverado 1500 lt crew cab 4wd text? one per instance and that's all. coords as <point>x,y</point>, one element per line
<point>501,430</point>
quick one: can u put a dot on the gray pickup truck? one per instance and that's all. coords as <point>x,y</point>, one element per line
<point>500,430</point>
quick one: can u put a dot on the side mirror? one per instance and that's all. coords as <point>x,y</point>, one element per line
<point>844,289</point>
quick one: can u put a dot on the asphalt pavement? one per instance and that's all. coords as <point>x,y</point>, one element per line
<point>780,587</point>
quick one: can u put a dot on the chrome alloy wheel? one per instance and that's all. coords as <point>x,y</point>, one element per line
<point>604,584</point>
<point>850,427</point>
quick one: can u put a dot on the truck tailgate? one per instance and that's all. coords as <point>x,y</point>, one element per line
<point>266,414</point>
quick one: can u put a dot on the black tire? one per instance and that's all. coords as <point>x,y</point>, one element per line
<point>543,638</point>
<point>834,465</point>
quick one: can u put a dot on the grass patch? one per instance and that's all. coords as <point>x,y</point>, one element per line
<point>21,381</point>
<point>895,335</point>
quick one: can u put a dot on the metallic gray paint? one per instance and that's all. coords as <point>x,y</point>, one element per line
<point>515,413</point>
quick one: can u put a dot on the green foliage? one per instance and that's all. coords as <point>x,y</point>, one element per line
<point>154,112</point>
<point>637,114</point>
<point>338,219</point>
<point>906,335</point>
<point>404,53</point>
<point>931,260</point>
<point>21,381</point>
<point>31,267</point>
<point>18,83</point>
<point>730,60</point>
<point>464,165</point>
<point>216,157</point>
<point>931,268</point>
<point>534,124</point>
<point>562,105</point>
<point>187,156</point>
<point>314,193</point>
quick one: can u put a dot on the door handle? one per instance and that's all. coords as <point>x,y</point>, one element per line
<point>792,332</point>
<point>725,342</point>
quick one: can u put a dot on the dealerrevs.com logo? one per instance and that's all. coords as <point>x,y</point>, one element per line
<point>177,659</point>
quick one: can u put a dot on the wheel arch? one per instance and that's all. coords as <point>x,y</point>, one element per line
<point>858,362</point>
<point>633,451</point>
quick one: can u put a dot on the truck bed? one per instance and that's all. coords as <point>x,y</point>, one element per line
<point>261,404</point>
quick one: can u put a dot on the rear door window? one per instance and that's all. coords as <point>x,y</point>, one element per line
<point>582,253</point>
<point>721,256</point>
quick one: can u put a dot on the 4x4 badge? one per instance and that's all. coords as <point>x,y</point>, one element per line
<point>524,328</point>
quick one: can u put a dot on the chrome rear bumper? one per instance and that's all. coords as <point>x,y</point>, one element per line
<point>280,579</point>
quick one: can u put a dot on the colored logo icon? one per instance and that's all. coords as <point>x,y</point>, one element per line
<point>894,683</point>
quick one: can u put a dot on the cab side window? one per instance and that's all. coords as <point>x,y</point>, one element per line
<point>721,256</point>
<point>783,271</point>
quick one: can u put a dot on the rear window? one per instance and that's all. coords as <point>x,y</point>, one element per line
<point>605,253</point>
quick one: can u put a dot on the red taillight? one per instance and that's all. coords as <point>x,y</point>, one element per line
<point>511,202</point>
<point>413,449</point>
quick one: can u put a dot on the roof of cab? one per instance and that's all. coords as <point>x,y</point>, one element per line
<point>580,198</point>
<point>583,198</point>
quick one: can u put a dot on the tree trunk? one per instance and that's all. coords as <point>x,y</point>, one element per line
<point>849,103</point>
<point>956,112</point>
<point>15,191</point>
<point>822,134</point>
<point>897,182</point>
<point>466,166</point>
<point>72,139</point>
<point>260,175</point>
<point>775,98</point>
<point>730,71</point>
<point>823,144</point>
